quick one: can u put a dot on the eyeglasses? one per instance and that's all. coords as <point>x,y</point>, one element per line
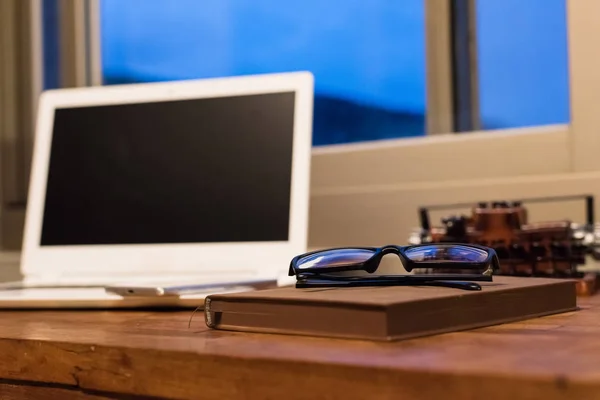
<point>330,268</point>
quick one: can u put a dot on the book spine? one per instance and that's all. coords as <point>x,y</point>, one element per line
<point>208,317</point>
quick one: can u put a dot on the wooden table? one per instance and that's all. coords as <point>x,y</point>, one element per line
<point>100,355</point>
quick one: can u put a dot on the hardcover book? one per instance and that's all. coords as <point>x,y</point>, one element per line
<point>388,313</point>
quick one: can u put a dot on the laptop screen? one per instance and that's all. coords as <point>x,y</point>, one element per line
<point>186,171</point>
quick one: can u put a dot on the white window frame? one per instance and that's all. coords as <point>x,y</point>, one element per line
<point>369,193</point>
<point>80,52</point>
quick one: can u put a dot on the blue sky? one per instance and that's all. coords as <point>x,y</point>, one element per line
<point>371,52</point>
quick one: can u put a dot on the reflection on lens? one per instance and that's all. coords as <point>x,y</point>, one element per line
<point>446,253</point>
<point>333,258</point>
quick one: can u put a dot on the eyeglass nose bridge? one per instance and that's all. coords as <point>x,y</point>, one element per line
<point>391,249</point>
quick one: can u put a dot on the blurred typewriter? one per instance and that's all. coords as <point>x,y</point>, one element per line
<point>560,249</point>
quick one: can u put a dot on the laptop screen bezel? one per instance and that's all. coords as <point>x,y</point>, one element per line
<point>257,259</point>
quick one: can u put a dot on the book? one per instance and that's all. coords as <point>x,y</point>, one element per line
<point>388,313</point>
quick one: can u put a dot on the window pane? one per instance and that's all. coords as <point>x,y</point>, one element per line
<point>50,44</point>
<point>368,57</point>
<point>523,63</point>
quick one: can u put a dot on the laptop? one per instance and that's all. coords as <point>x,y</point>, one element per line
<point>187,182</point>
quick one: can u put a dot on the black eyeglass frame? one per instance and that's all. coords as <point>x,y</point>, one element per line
<point>491,263</point>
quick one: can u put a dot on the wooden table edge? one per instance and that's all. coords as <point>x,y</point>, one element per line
<point>134,371</point>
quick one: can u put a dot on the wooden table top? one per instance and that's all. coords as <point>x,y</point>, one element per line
<point>97,354</point>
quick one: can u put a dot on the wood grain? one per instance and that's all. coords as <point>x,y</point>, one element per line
<point>34,392</point>
<point>155,354</point>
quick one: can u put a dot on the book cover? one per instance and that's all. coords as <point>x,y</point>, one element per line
<point>388,313</point>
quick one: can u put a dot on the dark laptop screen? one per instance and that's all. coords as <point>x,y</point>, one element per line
<point>202,170</point>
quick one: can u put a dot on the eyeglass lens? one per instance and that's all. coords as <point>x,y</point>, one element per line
<point>332,258</point>
<point>447,253</point>
<point>420,254</point>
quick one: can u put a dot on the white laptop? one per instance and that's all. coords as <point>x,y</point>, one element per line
<point>165,184</point>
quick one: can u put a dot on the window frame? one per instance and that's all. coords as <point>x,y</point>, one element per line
<point>21,78</point>
<point>567,147</point>
<point>452,72</point>
<point>80,45</point>
<point>369,193</point>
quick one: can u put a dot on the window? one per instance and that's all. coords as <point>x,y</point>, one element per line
<point>51,41</point>
<point>523,63</point>
<point>537,65</point>
<point>368,57</point>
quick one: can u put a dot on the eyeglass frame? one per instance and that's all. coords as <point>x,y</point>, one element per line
<point>491,263</point>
